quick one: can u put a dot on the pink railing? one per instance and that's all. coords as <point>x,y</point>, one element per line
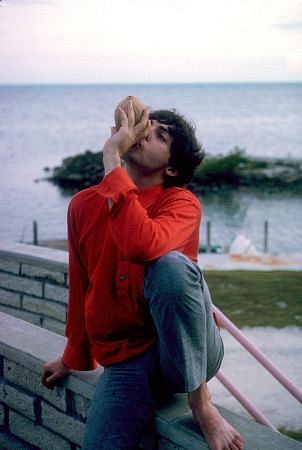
<point>245,402</point>
<point>264,361</point>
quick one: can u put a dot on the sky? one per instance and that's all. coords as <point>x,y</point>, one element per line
<point>143,41</point>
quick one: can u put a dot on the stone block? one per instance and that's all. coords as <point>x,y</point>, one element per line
<point>57,293</point>
<point>10,298</point>
<point>27,379</point>
<point>7,441</point>
<point>42,272</point>
<point>2,415</point>
<point>165,444</point>
<point>45,307</point>
<point>35,434</point>
<point>81,405</point>
<point>63,424</point>
<point>54,325</point>
<point>8,265</point>
<point>21,314</point>
<point>17,400</point>
<point>19,284</point>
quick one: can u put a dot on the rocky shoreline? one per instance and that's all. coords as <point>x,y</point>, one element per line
<point>235,170</point>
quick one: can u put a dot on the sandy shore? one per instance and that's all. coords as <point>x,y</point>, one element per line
<point>211,261</point>
<point>59,244</point>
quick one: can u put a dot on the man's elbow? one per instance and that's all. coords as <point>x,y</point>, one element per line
<point>144,254</point>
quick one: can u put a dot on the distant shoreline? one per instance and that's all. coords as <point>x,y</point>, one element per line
<point>234,170</point>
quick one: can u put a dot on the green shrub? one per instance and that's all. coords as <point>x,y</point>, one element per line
<point>222,170</point>
<point>79,172</point>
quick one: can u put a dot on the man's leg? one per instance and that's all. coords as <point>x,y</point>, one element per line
<point>190,345</point>
<point>123,406</point>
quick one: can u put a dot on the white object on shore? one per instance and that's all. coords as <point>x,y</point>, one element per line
<point>242,245</point>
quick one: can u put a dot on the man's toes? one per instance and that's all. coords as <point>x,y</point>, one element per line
<point>234,446</point>
<point>238,443</point>
<point>238,437</point>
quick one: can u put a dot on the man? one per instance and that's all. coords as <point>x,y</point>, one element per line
<point>138,303</point>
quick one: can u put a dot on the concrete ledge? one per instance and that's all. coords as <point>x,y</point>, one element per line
<point>174,422</point>
<point>29,346</point>
<point>31,254</point>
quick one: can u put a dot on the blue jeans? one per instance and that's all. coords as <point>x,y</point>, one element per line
<point>189,351</point>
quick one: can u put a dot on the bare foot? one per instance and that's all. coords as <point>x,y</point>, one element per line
<point>219,434</point>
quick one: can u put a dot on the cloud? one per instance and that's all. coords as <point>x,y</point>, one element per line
<point>187,39</point>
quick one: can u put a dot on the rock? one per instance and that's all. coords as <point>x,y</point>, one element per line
<point>79,172</point>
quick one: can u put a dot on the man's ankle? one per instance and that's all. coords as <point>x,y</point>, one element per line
<point>199,395</point>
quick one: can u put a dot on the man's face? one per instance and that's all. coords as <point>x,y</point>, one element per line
<point>152,153</point>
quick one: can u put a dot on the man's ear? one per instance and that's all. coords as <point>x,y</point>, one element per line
<point>171,172</point>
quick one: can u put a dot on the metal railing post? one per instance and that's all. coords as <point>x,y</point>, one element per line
<point>208,236</point>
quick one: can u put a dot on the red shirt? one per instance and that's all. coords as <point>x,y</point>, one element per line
<point>108,317</point>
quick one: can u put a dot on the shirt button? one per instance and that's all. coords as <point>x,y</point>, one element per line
<point>122,277</point>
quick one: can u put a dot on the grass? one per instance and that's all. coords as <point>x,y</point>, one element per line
<point>254,298</point>
<point>297,435</point>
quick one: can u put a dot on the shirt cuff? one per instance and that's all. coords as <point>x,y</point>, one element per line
<point>116,185</point>
<point>78,358</point>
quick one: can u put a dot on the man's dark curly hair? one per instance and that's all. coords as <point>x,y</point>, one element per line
<point>186,152</point>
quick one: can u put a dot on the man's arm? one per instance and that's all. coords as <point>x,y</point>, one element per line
<point>77,353</point>
<point>176,221</point>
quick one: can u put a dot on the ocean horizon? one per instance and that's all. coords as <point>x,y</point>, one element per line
<point>156,83</point>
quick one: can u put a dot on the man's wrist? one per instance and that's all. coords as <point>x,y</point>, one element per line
<point>65,366</point>
<point>111,161</point>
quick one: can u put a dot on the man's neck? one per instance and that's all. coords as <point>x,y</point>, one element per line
<point>144,180</point>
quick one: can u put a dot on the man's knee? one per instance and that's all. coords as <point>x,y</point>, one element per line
<point>172,273</point>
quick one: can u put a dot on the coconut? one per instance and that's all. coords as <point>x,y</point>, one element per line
<point>138,107</point>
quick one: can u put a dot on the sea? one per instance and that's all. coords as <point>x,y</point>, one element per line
<point>40,125</point>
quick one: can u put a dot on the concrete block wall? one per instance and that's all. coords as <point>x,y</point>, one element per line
<point>34,284</point>
<point>33,417</point>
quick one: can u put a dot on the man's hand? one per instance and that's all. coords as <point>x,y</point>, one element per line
<point>52,371</point>
<point>126,137</point>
